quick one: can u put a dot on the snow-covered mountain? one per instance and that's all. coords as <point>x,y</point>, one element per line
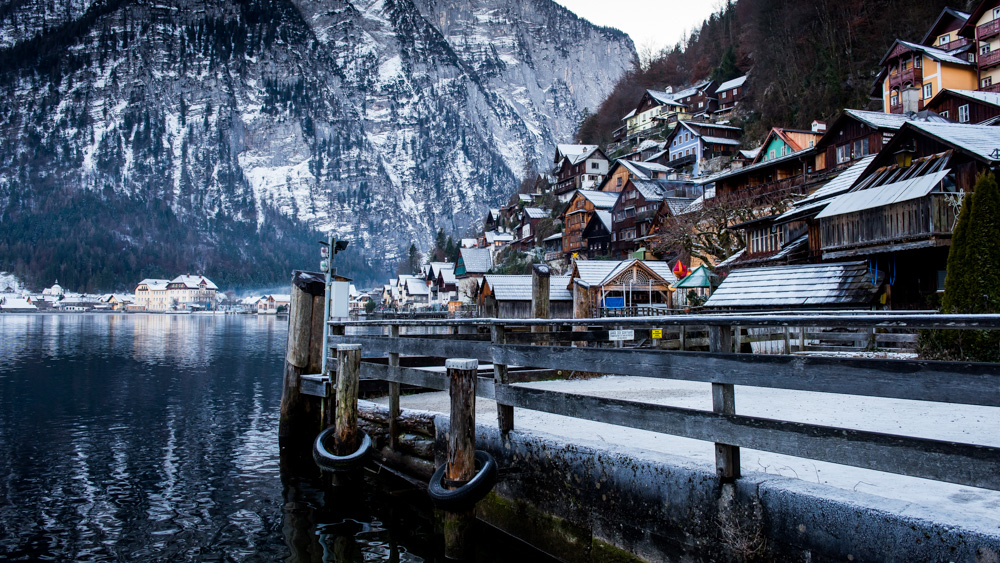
<point>381,119</point>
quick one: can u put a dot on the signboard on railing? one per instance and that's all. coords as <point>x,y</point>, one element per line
<point>627,334</point>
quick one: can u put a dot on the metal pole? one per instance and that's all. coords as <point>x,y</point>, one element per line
<point>326,299</point>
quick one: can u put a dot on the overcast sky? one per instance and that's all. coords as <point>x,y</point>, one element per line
<point>650,23</point>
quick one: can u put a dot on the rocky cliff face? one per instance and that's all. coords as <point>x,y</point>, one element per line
<point>380,119</point>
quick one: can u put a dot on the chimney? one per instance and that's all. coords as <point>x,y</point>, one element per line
<point>818,126</point>
<point>910,98</point>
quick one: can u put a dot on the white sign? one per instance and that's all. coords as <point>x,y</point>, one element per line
<point>622,334</point>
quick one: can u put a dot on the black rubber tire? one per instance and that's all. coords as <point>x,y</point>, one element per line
<point>328,461</point>
<point>469,494</point>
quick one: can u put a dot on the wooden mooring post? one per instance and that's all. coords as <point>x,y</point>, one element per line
<point>461,468</point>
<point>393,395</point>
<point>346,417</point>
<point>540,275</point>
<point>300,414</point>
<point>727,457</point>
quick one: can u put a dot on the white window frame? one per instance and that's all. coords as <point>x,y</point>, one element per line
<point>986,82</point>
<point>945,39</point>
<point>963,113</point>
<point>928,91</point>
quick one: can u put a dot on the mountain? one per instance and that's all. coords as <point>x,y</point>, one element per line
<point>147,137</point>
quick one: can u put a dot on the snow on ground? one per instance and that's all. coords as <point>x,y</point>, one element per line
<point>961,423</point>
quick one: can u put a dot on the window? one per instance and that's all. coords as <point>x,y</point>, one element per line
<point>701,104</point>
<point>843,154</point>
<point>894,99</point>
<point>619,184</point>
<point>595,165</point>
<point>943,114</point>
<point>928,90</point>
<point>963,113</point>
<point>984,49</point>
<point>770,154</point>
<point>945,39</point>
<point>917,62</point>
<point>996,13</point>
<point>723,95</point>
<point>986,82</point>
<point>861,148</point>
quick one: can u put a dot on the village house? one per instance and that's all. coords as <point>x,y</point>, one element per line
<point>530,217</point>
<point>578,167</point>
<point>982,27</point>
<point>620,287</point>
<point>597,235</point>
<point>854,135</point>
<point>151,295</point>
<point>10,303</point>
<point>273,304</point>
<point>729,94</point>
<point>624,170</point>
<point>966,106</point>
<point>192,292</point>
<point>638,208</point>
<point>473,263</point>
<point>509,297</point>
<point>577,214</point>
<point>692,144</point>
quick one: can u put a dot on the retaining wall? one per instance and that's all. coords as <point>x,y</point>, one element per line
<point>581,504</point>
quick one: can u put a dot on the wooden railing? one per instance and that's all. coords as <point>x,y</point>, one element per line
<point>580,345</point>
<point>908,220</point>
<point>988,29</point>
<point>989,59</point>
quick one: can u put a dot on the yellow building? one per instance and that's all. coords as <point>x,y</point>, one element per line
<point>912,74</point>
<point>983,27</point>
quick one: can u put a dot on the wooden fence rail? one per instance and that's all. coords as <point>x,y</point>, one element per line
<point>944,382</point>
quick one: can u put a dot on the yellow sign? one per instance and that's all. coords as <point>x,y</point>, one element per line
<point>657,333</point>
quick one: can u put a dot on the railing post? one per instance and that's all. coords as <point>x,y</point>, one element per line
<point>788,340</point>
<point>461,452</point>
<point>393,395</point>
<point>505,413</point>
<point>727,457</point>
<point>348,378</point>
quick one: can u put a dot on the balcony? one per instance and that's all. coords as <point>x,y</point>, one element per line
<point>990,88</point>
<point>913,76</point>
<point>952,45</point>
<point>911,221</point>
<point>990,59</point>
<point>988,29</point>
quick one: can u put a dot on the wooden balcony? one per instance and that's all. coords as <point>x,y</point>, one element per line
<point>914,221</point>
<point>990,59</point>
<point>912,76</point>
<point>988,29</point>
<point>952,45</point>
<point>990,88</point>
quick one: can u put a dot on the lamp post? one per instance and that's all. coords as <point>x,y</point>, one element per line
<point>328,249</point>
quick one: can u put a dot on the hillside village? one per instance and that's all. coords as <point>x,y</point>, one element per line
<point>679,211</point>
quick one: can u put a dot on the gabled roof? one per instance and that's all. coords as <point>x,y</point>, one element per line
<point>518,288</point>
<point>817,200</point>
<point>476,260</point>
<point>968,29</point>
<point>699,277</point>
<point>194,282</point>
<point>980,141</point>
<point>557,236</point>
<point>876,119</point>
<point>843,283</point>
<point>651,190</point>
<point>589,273</point>
<point>664,98</point>
<point>989,98</point>
<point>154,284</point>
<point>604,217</point>
<point>600,200</point>
<point>536,212</point>
<point>573,151</point>
<point>886,194</point>
<point>936,54</point>
<point>730,84</point>
<point>785,135</point>
<point>415,286</point>
<point>494,236</point>
<point>677,205</point>
<point>945,15</point>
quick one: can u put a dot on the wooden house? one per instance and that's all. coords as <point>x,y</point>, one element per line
<point>692,143</point>
<point>982,27</point>
<point>854,135</point>
<point>530,217</point>
<point>638,209</point>
<point>597,235</point>
<point>577,214</point>
<point>509,297</point>
<point>578,167</point>
<point>729,94</point>
<point>781,176</point>
<point>781,141</point>
<point>624,170</point>
<point>655,109</point>
<point>966,106</point>
<point>912,74</point>
<point>620,287</point>
<point>800,286</point>
<point>473,263</point>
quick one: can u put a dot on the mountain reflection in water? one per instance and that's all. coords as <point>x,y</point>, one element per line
<point>152,437</point>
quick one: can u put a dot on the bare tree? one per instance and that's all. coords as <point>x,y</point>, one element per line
<point>706,232</point>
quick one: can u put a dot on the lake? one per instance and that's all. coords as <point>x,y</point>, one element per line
<point>154,437</point>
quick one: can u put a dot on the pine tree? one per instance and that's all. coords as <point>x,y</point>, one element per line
<point>973,281</point>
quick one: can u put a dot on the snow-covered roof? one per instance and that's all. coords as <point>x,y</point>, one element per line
<point>469,243</point>
<point>605,218</point>
<point>664,98</point>
<point>448,274</point>
<point>750,153</point>
<point>886,194</point>
<point>576,153</point>
<point>536,212</point>
<point>601,200</point>
<point>600,272</point>
<point>194,282</point>
<point>878,119</point>
<point>17,303</point>
<point>842,182</point>
<point>518,288</point>
<point>842,283</point>
<point>155,284</point>
<point>678,205</point>
<point>730,84</point>
<point>416,286</point>
<point>981,140</point>
<point>720,140</point>
<point>556,236</point>
<point>651,190</point>
<point>936,54</point>
<point>494,236</point>
<point>991,98</point>
<point>476,260</point>
<point>764,163</point>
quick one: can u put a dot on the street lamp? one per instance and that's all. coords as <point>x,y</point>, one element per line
<point>326,266</point>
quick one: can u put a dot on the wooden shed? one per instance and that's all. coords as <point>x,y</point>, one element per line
<point>509,297</point>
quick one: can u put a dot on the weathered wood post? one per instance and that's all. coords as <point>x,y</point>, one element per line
<point>788,340</point>
<point>300,414</point>
<point>505,413</point>
<point>348,378</point>
<point>540,274</point>
<point>581,308</point>
<point>393,395</point>
<point>461,452</point>
<point>727,457</point>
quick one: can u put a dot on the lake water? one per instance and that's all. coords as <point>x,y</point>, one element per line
<point>154,437</point>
